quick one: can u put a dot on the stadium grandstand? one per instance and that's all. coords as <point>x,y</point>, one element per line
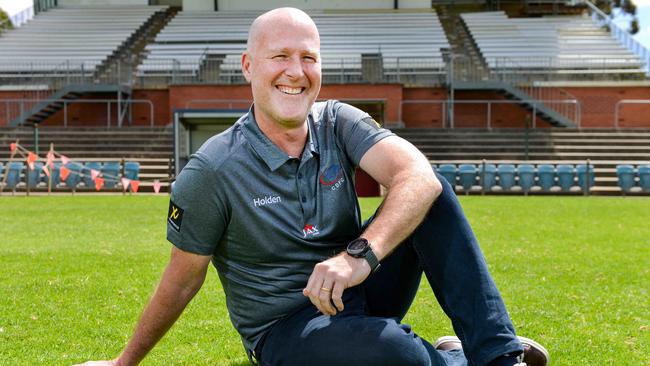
<point>503,97</point>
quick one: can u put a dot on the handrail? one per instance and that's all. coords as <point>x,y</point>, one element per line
<point>618,105</point>
<point>109,102</point>
<point>621,35</point>
<point>488,102</point>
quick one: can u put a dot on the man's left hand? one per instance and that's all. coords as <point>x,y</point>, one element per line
<point>331,277</point>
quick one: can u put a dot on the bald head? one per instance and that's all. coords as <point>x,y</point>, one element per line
<point>278,18</point>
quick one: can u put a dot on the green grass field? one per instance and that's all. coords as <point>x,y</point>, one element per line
<point>75,273</point>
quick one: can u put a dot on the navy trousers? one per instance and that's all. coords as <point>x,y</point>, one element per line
<point>369,331</point>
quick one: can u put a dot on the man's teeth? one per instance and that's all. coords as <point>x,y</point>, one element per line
<point>288,90</point>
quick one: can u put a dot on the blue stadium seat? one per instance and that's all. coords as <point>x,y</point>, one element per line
<point>526,173</point>
<point>449,172</point>
<point>111,173</point>
<point>74,177</point>
<point>2,169</point>
<point>55,174</point>
<point>467,176</point>
<point>488,178</point>
<point>644,177</point>
<point>546,176</point>
<point>132,170</point>
<point>590,181</point>
<point>625,174</point>
<point>565,177</point>
<point>87,177</point>
<point>14,170</point>
<point>506,174</point>
<point>34,175</point>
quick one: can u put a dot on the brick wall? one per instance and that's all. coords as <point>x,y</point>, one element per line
<point>597,105</point>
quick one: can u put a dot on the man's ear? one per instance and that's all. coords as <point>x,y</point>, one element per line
<point>246,66</point>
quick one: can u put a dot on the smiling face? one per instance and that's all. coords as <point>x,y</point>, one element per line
<point>282,63</point>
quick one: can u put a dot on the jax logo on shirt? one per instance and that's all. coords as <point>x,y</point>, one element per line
<point>309,231</point>
<point>332,177</point>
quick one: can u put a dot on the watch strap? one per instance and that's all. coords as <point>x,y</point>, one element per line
<point>372,260</point>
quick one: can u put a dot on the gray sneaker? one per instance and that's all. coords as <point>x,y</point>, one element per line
<point>534,353</point>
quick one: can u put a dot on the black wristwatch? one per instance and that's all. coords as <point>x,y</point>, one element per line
<point>360,248</point>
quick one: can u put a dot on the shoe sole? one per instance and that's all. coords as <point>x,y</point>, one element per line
<point>537,346</point>
<point>446,339</point>
<point>529,341</point>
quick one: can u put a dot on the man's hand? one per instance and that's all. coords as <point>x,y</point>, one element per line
<point>331,277</point>
<point>98,363</point>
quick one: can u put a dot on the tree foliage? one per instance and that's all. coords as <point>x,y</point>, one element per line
<point>5,22</point>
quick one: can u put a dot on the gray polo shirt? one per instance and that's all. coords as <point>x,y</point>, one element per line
<point>268,218</point>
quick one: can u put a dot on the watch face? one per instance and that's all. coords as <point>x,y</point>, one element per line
<point>357,246</point>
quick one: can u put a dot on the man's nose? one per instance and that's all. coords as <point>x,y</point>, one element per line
<point>294,67</point>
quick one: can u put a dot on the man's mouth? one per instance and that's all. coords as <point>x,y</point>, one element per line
<point>290,90</point>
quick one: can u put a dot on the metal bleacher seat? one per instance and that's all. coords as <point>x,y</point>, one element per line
<point>565,176</point>
<point>70,39</point>
<point>406,42</point>
<point>546,176</point>
<point>506,173</point>
<point>560,44</point>
<point>526,175</point>
<point>625,175</point>
<point>449,172</point>
<point>644,177</point>
<point>467,176</point>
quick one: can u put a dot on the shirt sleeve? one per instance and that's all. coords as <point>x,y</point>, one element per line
<point>197,215</point>
<point>356,131</point>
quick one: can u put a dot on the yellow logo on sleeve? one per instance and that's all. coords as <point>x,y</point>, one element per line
<point>175,216</point>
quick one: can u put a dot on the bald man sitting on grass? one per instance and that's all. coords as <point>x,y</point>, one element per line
<point>271,203</point>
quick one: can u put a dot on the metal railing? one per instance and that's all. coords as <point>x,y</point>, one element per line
<point>22,16</point>
<point>426,71</point>
<point>443,109</point>
<point>529,83</point>
<point>620,34</point>
<point>11,109</point>
<point>219,103</point>
<point>620,103</point>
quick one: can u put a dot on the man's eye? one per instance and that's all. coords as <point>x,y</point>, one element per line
<point>310,58</point>
<point>279,57</point>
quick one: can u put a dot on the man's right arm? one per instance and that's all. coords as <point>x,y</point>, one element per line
<point>182,279</point>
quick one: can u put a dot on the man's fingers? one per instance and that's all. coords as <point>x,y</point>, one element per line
<point>308,291</point>
<point>325,297</point>
<point>337,295</point>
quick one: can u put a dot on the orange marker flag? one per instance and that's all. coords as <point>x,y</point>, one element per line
<point>94,174</point>
<point>31,158</point>
<point>134,185</point>
<point>99,183</point>
<point>64,172</point>
<point>46,170</point>
<point>156,186</point>
<point>64,160</point>
<point>12,147</point>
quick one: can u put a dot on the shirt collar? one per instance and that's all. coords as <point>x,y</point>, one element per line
<point>267,150</point>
